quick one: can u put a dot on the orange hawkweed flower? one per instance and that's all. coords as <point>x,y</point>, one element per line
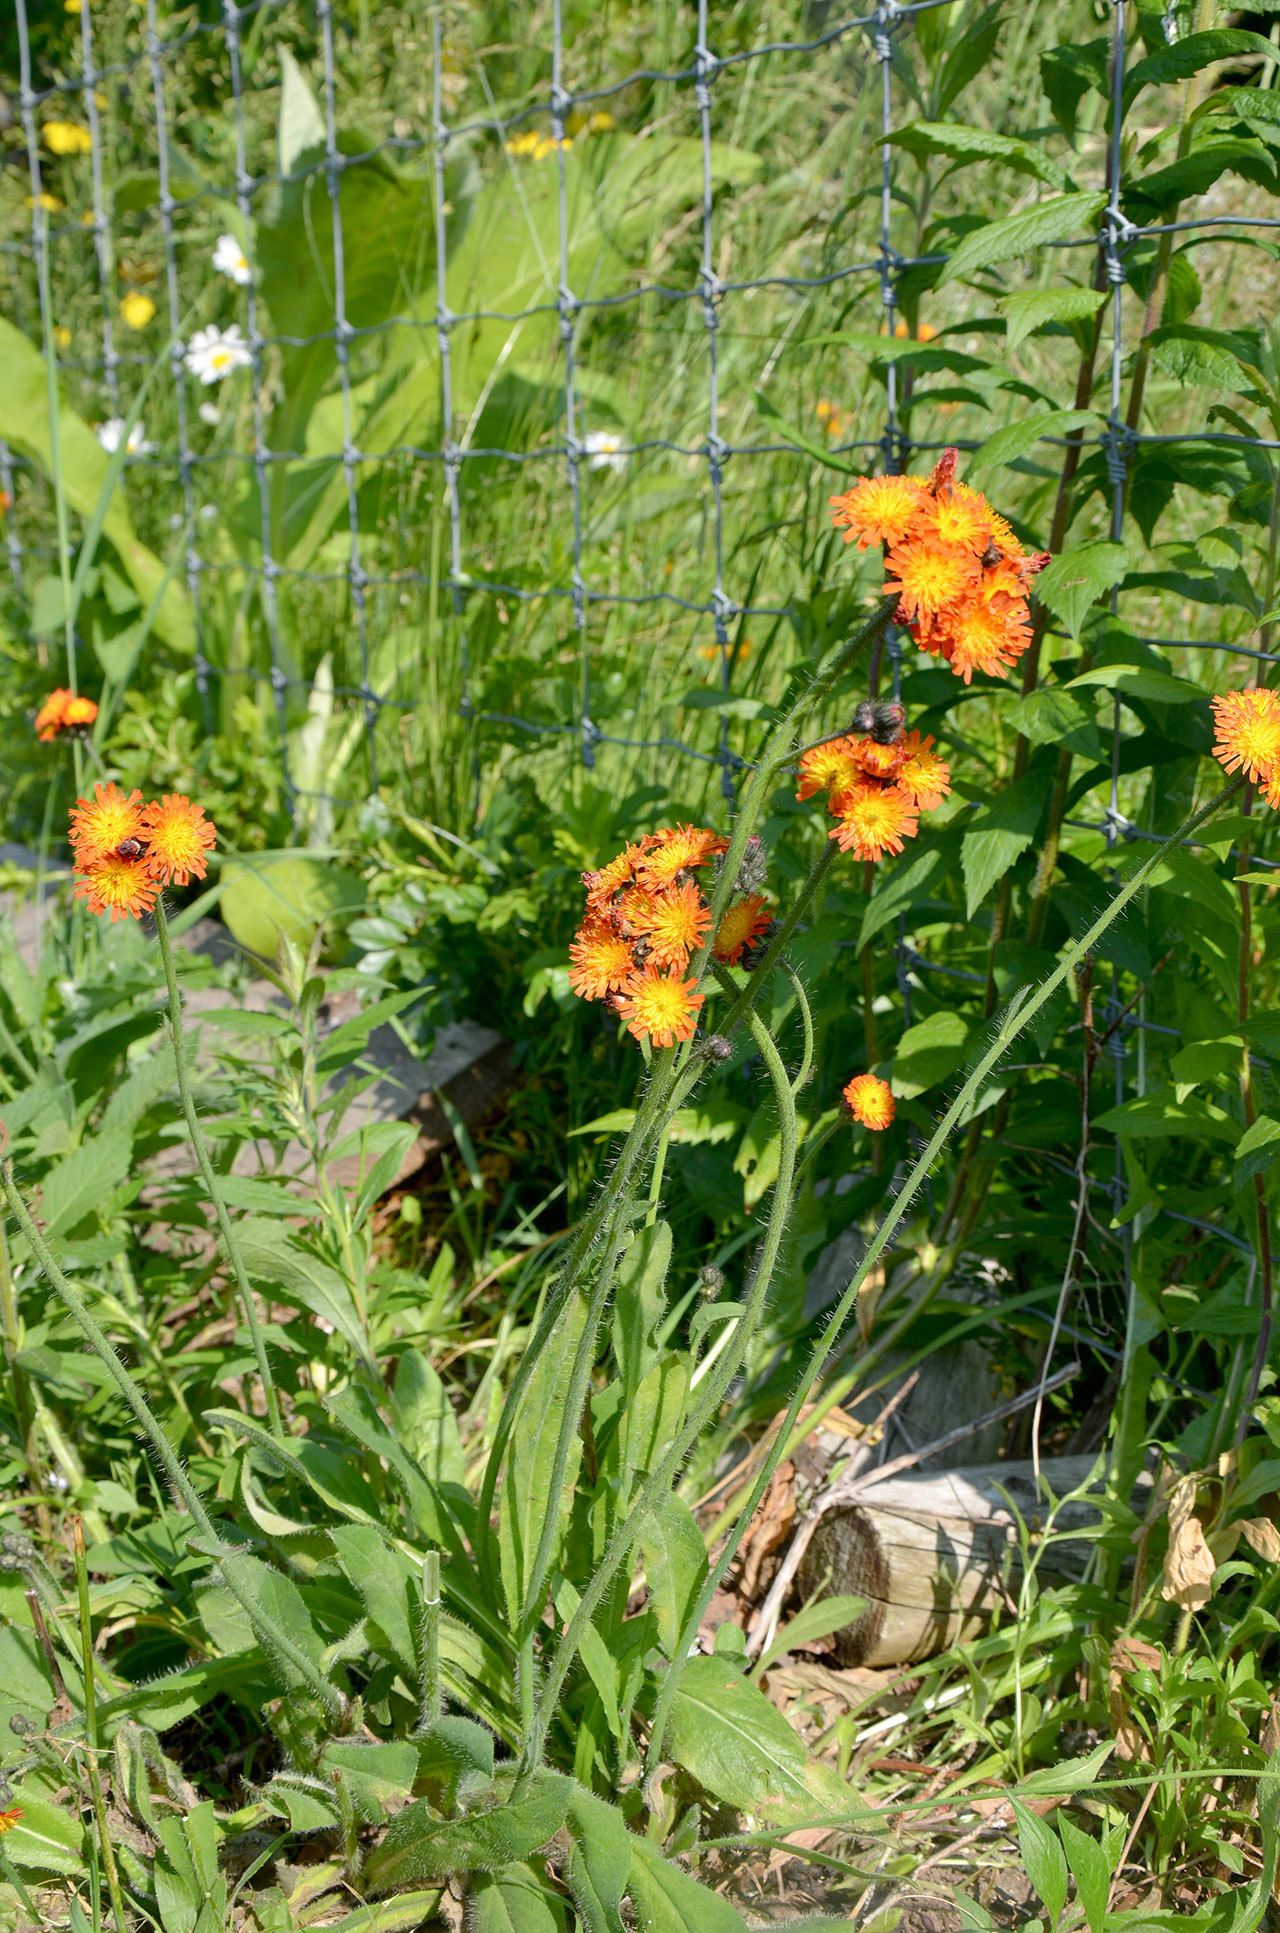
<point>825,767</point>
<point>79,713</point>
<point>673,924</point>
<point>63,711</point>
<point>101,825</point>
<point>922,774</point>
<point>674,850</point>
<point>875,760</point>
<point>929,576</point>
<point>1271,790</point>
<point>960,516</point>
<point>1247,732</point>
<point>879,510</point>
<point>660,1006</point>
<point>742,925</point>
<point>869,1100</point>
<point>179,839</point>
<point>121,887</point>
<point>600,960</point>
<point>9,1819</point>
<point>602,885</point>
<point>874,819</point>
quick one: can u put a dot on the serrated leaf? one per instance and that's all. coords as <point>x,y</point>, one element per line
<point>898,888</point>
<point>1139,681</point>
<point>963,143</point>
<point>1054,220</point>
<point>77,1184</point>
<point>1013,440</point>
<point>1069,72</point>
<point>1207,358</point>
<point>998,834</point>
<point>1073,582</point>
<point>1030,309</point>
<point>1190,55</point>
<point>1052,715</point>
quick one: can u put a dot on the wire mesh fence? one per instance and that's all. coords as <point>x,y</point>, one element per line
<point>386,409</point>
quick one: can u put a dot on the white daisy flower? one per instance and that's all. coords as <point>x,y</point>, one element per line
<point>209,413</point>
<point>213,353</point>
<point>229,259</point>
<point>606,450</point>
<point>111,433</point>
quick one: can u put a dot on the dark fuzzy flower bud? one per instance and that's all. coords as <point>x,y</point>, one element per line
<point>710,1282</point>
<point>881,719</point>
<point>716,1047</point>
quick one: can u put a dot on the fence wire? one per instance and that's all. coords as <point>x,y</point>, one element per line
<point>870,50</point>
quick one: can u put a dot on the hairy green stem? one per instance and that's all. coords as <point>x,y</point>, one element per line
<point>1018,1016</point>
<point>660,1481</point>
<point>208,1174</point>
<point>105,1846</point>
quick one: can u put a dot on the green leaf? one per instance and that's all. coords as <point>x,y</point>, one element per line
<point>514,1901</point>
<point>1068,73</point>
<point>639,1303</point>
<point>667,1900</point>
<point>266,900</point>
<point>1074,581</point>
<point>814,1621</point>
<point>1006,445</point>
<point>963,143</point>
<point>271,1254</point>
<point>1157,1115</point>
<point>1257,1149</point>
<point>301,125</point>
<point>1091,1870</point>
<point>419,1846</point>
<point>46,1839</point>
<point>899,888</point>
<point>24,423</point>
<point>404,1915</point>
<point>1052,715</point>
<point>1053,220</point>
<point>1142,682</point>
<point>1207,358</point>
<point>724,1732</point>
<point>526,1483</point>
<point>929,1052</point>
<point>1044,1859</point>
<point>599,1862</point>
<point>380,1773</point>
<point>998,833</point>
<point>82,1179</point>
<point>675,1559</point>
<point>1031,309</point>
<point>424,1419</point>
<point>1190,55</point>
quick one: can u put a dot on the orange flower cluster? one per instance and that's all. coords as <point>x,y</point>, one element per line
<point>127,848</point>
<point>645,918</point>
<point>960,575</point>
<point>877,784</point>
<point>64,711</point>
<point>869,1100</point>
<point>9,1818</point>
<point>1247,737</point>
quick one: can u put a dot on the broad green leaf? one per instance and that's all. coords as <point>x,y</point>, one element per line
<point>1044,1859</point>
<point>379,1773</point>
<point>675,1560</point>
<point>1140,681</point>
<point>526,1484</point>
<point>1006,445</point>
<point>1257,1149</point>
<point>82,1179</point>
<point>599,1862</point>
<point>1030,309</point>
<point>1074,581</point>
<point>998,834</point>
<point>724,1732</point>
<point>514,1901</point>
<point>424,1418</point>
<point>1158,1115</point>
<point>24,423</point>
<point>335,1481</point>
<point>301,125</point>
<point>898,889</point>
<point>267,900</point>
<point>1194,174</point>
<point>1068,73</point>
<point>815,1621</point>
<point>1052,715</point>
<point>1208,358</point>
<point>404,1915</point>
<point>419,1846</point>
<point>963,143</point>
<point>1190,55</point>
<point>639,1301</point>
<point>668,1900</point>
<point>929,1052</point>
<point>272,1255</point>
<point>1053,220</point>
<point>1091,1870</point>
<point>46,1839</point>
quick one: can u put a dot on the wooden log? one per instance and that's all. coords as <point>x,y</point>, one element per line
<point>936,1553</point>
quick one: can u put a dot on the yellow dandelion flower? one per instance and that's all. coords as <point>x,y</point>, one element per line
<point>136,309</point>
<point>64,137</point>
